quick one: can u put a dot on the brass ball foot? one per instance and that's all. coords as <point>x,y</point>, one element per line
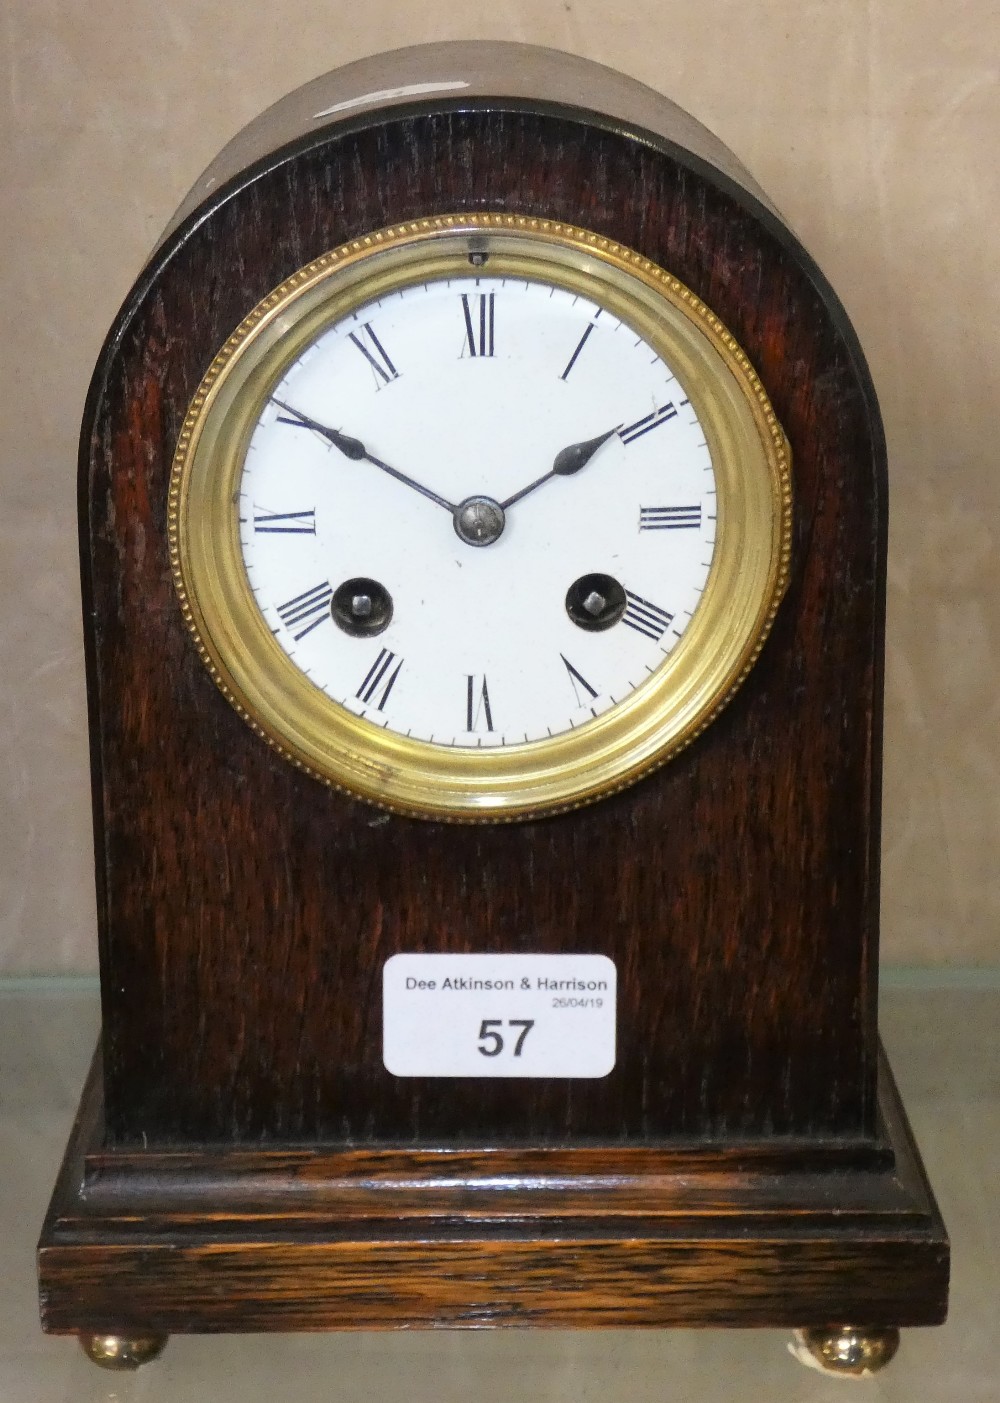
<point>122,1351</point>
<point>849,1351</point>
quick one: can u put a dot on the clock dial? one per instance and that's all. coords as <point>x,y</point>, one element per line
<point>480,518</point>
<point>474,447</point>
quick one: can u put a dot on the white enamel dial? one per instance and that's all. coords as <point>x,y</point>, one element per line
<point>472,387</point>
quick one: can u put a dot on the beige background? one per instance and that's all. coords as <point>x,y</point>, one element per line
<point>874,125</point>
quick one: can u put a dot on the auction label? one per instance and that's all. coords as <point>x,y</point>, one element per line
<point>499,1015</point>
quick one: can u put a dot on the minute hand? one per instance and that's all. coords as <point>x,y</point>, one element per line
<point>353,448</point>
<point>566,462</point>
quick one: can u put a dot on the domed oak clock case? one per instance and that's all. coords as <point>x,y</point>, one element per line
<point>243,1159</point>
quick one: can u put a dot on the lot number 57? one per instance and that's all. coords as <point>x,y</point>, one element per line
<point>491,1041</point>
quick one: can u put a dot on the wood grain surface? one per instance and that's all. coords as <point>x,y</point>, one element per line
<point>211,1240</point>
<point>246,911</point>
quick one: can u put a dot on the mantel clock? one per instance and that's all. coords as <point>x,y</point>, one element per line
<point>483,535</point>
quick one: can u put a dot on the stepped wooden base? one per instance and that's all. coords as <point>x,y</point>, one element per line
<point>151,1242</point>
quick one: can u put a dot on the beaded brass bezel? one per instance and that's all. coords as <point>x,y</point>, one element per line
<point>746,581</point>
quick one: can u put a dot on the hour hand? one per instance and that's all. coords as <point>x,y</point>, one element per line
<point>566,462</point>
<point>570,460</point>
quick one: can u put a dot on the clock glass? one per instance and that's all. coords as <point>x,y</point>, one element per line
<point>480,518</point>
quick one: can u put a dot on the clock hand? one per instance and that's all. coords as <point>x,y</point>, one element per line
<point>566,462</point>
<point>354,449</point>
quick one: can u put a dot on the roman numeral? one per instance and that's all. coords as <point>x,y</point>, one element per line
<point>644,426</point>
<point>669,518</point>
<point>579,347</point>
<point>376,356</point>
<point>309,608</point>
<point>648,619</point>
<point>284,523</point>
<point>577,678</point>
<point>478,323</point>
<point>477,705</point>
<point>376,677</point>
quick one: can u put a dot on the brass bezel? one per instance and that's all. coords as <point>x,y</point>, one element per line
<point>746,581</point>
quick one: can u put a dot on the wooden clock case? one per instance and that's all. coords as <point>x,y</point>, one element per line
<point>242,1160</point>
